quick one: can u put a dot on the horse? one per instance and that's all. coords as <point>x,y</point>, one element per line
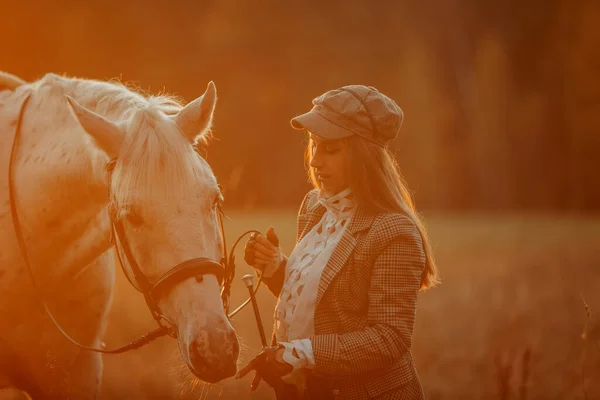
<point>92,155</point>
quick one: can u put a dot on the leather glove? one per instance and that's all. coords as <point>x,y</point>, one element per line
<point>269,369</point>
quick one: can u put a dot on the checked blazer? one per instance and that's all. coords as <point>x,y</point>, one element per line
<point>365,308</point>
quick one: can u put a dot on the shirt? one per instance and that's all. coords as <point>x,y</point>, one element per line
<point>294,313</point>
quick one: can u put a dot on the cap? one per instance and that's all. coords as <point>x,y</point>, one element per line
<point>353,110</point>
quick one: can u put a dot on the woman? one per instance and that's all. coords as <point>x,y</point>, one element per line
<point>347,294</point>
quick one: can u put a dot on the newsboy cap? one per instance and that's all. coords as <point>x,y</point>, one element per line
<point>353,110</point>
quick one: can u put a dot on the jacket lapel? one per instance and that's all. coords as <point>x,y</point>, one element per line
<point>360,221</point>
<point>307,221</point>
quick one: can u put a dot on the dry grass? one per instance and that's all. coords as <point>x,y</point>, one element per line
<point>515,318</point>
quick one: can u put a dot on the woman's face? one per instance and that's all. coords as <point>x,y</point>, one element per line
<point>330,163</point>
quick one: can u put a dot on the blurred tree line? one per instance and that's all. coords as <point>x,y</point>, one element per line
<point>501,98</point>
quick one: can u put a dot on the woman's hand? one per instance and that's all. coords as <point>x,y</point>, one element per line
<point>263,253</point>
<point>269,366</point>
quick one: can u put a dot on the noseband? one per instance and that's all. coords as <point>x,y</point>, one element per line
<point>152,292</point>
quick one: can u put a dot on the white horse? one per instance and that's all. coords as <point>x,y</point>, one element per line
<point>161,191</point>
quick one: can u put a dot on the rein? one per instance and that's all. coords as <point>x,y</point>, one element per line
<point>223,270</point>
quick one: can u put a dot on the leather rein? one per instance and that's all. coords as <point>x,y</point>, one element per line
<point>224,270</point>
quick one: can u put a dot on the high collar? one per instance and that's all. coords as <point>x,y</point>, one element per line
<point>341,204</point>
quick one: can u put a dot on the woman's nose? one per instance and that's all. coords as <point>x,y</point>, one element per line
<point>316,161</point>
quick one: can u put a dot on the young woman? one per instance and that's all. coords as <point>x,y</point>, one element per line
<point>347,294</point>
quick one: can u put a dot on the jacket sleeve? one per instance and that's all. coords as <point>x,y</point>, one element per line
<point>395,283</point>
<point>275,282</point>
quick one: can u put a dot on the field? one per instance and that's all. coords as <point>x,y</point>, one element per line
<point>517,315</point>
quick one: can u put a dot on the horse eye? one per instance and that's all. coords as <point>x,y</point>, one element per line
<point>134,218</point>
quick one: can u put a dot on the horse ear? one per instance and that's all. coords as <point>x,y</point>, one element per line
<point>107,135</point>
<point>195,119</point>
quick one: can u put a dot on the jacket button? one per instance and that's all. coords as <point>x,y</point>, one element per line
<point>336,392</point>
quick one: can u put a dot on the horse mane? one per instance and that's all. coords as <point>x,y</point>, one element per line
<point>156,161</point>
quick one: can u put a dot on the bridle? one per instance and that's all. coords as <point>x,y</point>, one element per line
<point>224,270</point>
<point>196,267</point>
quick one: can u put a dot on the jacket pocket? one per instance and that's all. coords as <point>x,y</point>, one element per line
<point>397,376</point>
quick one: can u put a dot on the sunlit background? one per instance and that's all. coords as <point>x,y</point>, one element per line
<point>500,146</point>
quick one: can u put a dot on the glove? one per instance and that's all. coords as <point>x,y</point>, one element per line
<point>269,369</point>
<point>264,254</point>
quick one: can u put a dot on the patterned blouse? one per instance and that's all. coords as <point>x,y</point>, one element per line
<point>294,313</point>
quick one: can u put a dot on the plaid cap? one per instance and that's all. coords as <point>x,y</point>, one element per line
<point>353,110</point>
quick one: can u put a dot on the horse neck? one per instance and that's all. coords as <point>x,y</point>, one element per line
<point>62,194</point>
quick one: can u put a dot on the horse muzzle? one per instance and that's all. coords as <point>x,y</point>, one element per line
<point>212,353</point>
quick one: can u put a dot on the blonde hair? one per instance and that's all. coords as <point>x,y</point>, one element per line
<point>378,185</point>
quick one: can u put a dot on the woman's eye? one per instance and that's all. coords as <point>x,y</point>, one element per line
<point>326,148</point>
<point>331,149</point>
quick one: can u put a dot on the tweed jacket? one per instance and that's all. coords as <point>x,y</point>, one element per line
<point>365,307</point>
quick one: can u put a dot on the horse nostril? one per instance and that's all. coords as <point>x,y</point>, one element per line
<point>197,357</point>
<point>194,353</point>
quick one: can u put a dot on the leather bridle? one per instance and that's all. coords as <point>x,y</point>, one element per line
<point>224,270</point>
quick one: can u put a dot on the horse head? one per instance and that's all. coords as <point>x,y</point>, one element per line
<point>164,199</point>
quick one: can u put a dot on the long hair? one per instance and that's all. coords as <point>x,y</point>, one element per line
<point>377,184</point>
